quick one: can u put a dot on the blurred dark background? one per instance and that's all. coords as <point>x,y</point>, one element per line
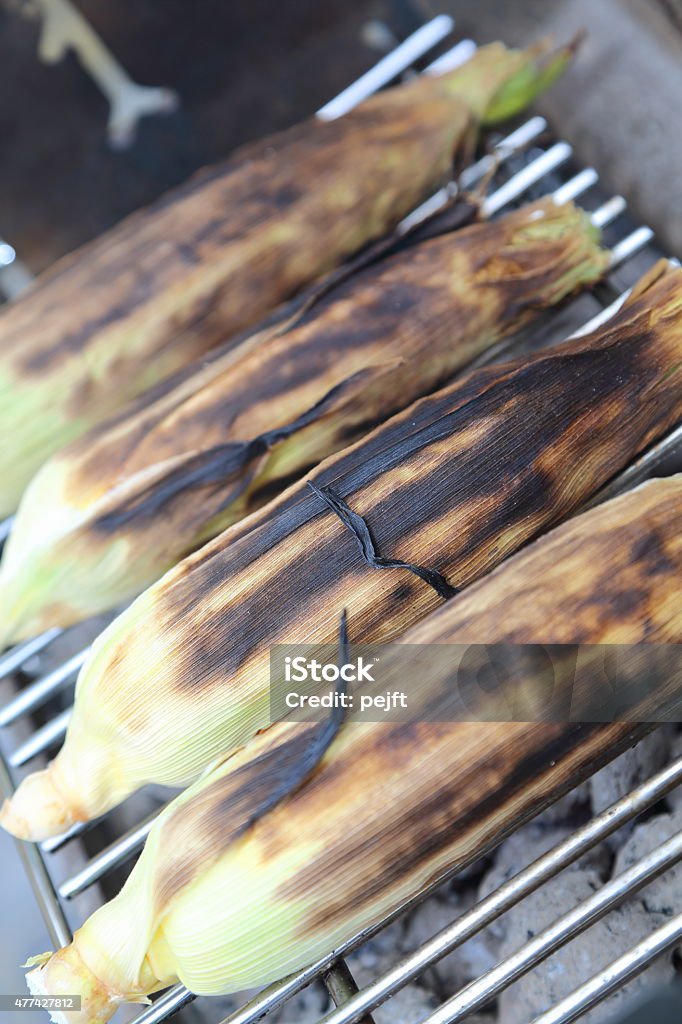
<point>241,70</point>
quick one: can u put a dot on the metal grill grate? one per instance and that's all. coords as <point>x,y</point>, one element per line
<point>530,163</point>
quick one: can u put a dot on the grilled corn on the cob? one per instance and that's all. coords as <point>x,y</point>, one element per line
<point>225,897</point>
<point>456,482</point>
<point>109,515</point>
<point>212,257</point>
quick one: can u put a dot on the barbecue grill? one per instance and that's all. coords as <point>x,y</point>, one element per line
<point>528,162</point>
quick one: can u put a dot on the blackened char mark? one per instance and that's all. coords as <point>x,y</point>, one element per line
<point>360,530</point>
<point>220,466</point>
<point>650,556</point>
<point>536,407</point>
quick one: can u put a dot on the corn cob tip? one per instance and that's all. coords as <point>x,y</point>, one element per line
<point>65,973</point>
<point>37,810</point>
<point>542,66</point>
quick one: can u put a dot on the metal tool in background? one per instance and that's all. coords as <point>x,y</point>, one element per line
<point>64,28</point>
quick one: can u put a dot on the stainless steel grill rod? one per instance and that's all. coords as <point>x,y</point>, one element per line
<point>453,58</point>
<point>632,244</point>
<point>518,139</point>
<point>508,895</point>
<point>41,883</point>
<point>166,1006</point>
<point>576,186</point>
<point>481,991</point>
<point>607,213</point>
<point>548,161</point>
<point>507,147</point>
<point>628,966</point>
<point>55,843</point>
<point>33,695</point>
<point>41,740</point>
<point>20,654</point>
<point>603,316</point>
<point>108,859</point>
<point>341,985</point>
<point>389,67</point>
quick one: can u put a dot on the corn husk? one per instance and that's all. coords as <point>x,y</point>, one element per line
<point>211,258</point>
<point>225,897</point>
<point>455,483</point>
<point>109,515</point>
